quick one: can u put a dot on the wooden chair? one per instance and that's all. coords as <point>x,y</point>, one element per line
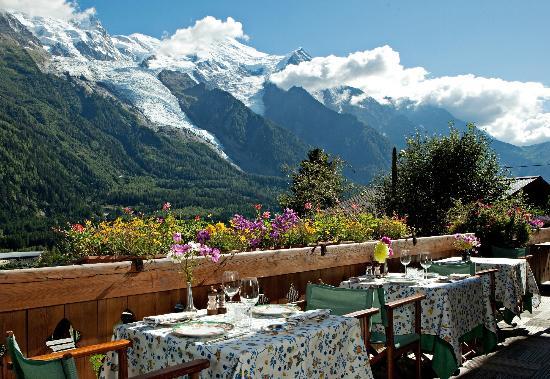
<point>61,364</point>
<point>339,299</point>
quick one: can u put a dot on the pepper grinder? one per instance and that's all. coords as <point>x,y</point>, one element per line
<point>221,301</point>
<point>212,306</point>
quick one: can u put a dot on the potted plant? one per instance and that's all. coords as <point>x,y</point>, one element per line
<point>503,227</point>
<point>467,244</point>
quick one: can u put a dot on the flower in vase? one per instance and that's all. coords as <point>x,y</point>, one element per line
<point>382,250</point>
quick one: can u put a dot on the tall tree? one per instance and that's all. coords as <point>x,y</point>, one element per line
<point>317,183</point>
<point>436,171</point>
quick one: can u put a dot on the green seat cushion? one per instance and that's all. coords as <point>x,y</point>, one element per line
<point>453,268</point>
<point>25,368</point>
<point>398,341</point>
<point>340,301</point>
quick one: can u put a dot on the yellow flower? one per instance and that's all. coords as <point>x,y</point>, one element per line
<point>381,252</point>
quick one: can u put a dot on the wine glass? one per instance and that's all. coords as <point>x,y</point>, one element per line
<point>425,262</point>
<point>230,282</point>
<point>250,293</point>
<point>405,259</point>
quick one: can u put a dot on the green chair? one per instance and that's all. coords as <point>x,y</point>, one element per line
<point>61,365</point>
<point>369,306</point>
<point>448,268</point>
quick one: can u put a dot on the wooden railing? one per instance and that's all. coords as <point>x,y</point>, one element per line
<point>93,297</point>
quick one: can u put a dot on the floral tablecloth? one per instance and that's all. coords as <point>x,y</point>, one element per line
<point>513,280</point>
<point>326,348</point>
<point>449,311</point>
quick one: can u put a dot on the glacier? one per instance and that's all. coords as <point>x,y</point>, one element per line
<point>128,66</point>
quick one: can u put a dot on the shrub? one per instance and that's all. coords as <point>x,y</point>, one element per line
<point>393,227</point>
<point>504,223</point>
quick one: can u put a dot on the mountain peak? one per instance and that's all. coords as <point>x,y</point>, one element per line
<point>295,57</point>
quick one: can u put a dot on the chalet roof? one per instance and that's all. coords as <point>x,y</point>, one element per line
<point>519,182</point>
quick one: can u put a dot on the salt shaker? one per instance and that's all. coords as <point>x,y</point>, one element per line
<point>212,306</point>
<point>221,301</point>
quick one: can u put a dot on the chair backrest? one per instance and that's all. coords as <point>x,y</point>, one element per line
<point>379,302</point>
<point>448,268</point>
<point>340,301</point>
<point>24,368</point>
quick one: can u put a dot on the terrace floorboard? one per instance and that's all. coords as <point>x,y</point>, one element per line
<point>525,352</point>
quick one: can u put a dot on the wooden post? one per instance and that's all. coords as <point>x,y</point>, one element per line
<point>122,364</point>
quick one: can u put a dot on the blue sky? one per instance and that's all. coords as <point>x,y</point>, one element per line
<point>506,39</point>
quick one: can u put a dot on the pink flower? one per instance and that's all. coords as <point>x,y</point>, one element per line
<point>354,206</point>
<point>386,240</point>
<point>307,205</point>
<point>177,237</point>
<point>77,228</point>
<point>266,215</point>
<point>166,206</point>
<point>197,218</point>
<point>178,249</point>
<point>258,206</point>
<point>128,210</point>
<point>215,255</point>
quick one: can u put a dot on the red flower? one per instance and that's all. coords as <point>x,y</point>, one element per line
<point>197,218</point>
<point>266,215</point>
<point>258,206</point>
<point>128,210</point>
<point>77,228</point>
<point>354,206</point>
<point>166,206</point>
<point>307,205</point>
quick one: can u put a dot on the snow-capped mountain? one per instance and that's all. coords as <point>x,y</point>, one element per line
<point>129,65</point>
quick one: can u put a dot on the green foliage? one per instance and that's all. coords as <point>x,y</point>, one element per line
<point>255,144</point>
<point>97,361</point>
<point>434,172</point>
<point>67,154</point>
<point>318,183</point>
<point>392,227</point>
<point>504,223</point>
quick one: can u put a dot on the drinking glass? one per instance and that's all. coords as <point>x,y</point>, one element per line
<point>250,293</point>
<point>405,259</point>
<point>425,262</point>
<point>230,282</point>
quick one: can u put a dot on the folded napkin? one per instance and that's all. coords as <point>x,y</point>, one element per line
<point>308,315</point>
<point>169,318</point>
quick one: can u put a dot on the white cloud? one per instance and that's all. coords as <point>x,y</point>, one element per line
<point>61,9</point>
<point>198,38</point>
<point>510,111</point>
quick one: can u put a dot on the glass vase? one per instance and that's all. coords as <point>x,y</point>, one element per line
<point>190,307</point>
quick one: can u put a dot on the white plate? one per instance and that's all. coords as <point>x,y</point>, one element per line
<point>402,281</point>
<point>459,276</point>
<point>202,329</point>
<point>274,310</point>
<point>395,275</point>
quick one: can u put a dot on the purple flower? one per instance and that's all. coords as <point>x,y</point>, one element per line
<point>177,237</point>
<point>203,236</point>
<point>178,249</point>
<point>283,222</point>
<point>386,240</point>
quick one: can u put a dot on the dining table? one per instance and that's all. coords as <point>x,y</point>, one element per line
<point>318,347</point>
<point>515,284</point>
<point>453,312</point>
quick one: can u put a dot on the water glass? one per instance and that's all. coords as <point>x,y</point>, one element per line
<point>250,293</point>
<point>425,262</point>
<point>405,259</point>
<point>231,283</point>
